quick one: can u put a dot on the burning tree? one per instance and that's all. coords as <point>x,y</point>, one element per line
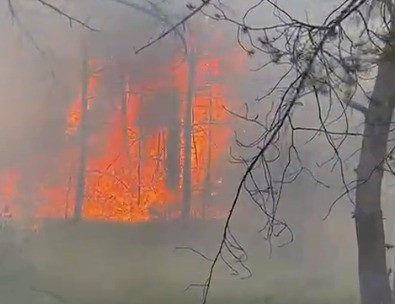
<point>134,142</point>
<point>169,132</point>
<point>326,62</point>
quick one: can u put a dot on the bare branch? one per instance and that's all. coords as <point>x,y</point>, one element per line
<point>193,12</point>
<point>156,13</point>
<point>67,16</point>
<point>356,106</point>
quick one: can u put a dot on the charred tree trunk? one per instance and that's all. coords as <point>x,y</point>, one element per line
<point>80,187</point>
<point>140,157</point>
<point>173,145</point>
<point>173,157</point>
<point>124,120</point>
<point>207,179</point>
<point>186,185</point>
<point>140,135</point>
<point>373,277</point>
<point>124,89</point>
<point>393,275</point>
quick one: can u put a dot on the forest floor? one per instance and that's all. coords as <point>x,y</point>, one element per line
<point>104,263</point>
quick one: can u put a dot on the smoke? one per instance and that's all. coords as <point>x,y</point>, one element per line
<point>41,78</point>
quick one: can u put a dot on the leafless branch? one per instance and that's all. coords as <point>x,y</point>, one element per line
<point>67,16</point>
<point>356,106</point>
<point>155,12</point>
<point>308,47</point>
<point>194,11</point>
<point>195,251</point>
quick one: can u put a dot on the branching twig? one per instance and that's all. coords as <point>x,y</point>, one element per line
<point>67,16</point>
<point>193,12</point>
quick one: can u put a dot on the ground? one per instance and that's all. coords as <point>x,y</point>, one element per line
<point>130,264</point>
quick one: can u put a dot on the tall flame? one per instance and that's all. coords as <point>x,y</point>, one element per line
<point>126,171</point>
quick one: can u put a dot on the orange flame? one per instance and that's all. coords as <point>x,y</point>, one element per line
<point>128,182</point>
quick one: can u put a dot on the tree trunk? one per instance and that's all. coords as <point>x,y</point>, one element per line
<point>186,184</point>
<point>393,274</point>
<point>172,161</point>
<point>140,136</point>
<point>124,120</point>
<point>373,277</point>
<point>80,188</point>
<point>207,180</point>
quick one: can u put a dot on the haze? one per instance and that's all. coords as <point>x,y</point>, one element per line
<point>133,242</point>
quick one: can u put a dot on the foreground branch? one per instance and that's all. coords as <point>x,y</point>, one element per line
<point>193,12</point>
<point>356,106</point>
<point>66,15</point>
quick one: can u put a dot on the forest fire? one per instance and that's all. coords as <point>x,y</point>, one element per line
<point>74,115</point>
<point>136,153</point>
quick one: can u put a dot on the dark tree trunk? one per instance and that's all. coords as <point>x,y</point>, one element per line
<point>186,186</point>
<point>140,142</point>
<point>172,161</point>
<point>80,187</point>
<point>124,120</point>
<point>207,180</point>
<point>373,277</point>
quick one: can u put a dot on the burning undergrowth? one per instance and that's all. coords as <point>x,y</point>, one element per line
<point>121,153</point>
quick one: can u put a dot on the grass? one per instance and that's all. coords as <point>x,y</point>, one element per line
<point>131,264</point>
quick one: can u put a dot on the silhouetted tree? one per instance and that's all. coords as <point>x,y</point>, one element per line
<point>172,161</point>
<point>81,170</point>
<point>186,180</point>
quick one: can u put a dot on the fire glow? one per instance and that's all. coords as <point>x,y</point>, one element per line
<point>126,175</point>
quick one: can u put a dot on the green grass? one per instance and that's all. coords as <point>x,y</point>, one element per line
<point>131,264</point>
